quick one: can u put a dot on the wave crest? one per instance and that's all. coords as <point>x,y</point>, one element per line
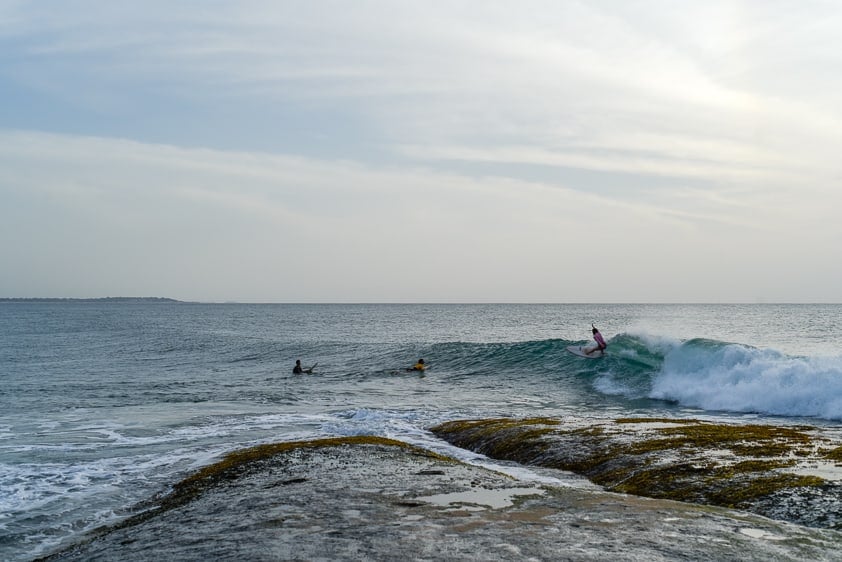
<point>733,377</point>
<point>699,373</point>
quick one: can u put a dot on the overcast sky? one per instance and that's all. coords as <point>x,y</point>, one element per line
<point>422,151</point>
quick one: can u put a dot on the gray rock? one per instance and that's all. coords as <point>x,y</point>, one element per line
<point>370,499</point>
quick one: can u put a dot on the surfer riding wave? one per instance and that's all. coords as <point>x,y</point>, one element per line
<point>600,343</point>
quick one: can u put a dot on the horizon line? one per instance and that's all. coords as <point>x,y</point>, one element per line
<point>420,302</point>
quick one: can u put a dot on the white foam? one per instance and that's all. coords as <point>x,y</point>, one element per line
<point>657,343</point>
<point>742,379</point>
<point>48,486</point>
<point>608,383</point>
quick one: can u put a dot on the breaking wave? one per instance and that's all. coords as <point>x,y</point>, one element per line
<point>700,373</point>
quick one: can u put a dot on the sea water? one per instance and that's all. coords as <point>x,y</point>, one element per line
<point>106,404</point>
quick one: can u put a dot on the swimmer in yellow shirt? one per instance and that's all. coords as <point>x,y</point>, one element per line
<point>420,366</point>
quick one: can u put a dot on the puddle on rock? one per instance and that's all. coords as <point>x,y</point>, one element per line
<point>760,534</point>
<point>495,499</point>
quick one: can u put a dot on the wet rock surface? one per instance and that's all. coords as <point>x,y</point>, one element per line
<point>375,499</point>
<point>789,473</point>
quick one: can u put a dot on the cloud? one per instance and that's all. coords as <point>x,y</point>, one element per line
<point>214,225</point>
<point>214,218</point>
<point>232,142</point>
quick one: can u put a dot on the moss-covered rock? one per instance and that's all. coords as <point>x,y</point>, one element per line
<point>834,454</point>
<point>687,460</point>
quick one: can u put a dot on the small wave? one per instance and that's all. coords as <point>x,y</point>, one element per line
<point>494,357</point>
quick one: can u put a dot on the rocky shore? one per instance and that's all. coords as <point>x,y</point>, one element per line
<point>789,473</point>
<point>377,499</point>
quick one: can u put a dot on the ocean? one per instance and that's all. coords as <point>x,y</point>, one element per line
<point>106,404</point>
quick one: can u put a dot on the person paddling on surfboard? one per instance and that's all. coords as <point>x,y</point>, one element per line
<point>298,369</point>
<point>600,343</point>
<point>420,366</point>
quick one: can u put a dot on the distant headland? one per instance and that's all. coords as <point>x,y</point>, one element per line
<point>101,299</point>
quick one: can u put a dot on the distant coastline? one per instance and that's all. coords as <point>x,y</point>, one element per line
<point>100,299</point>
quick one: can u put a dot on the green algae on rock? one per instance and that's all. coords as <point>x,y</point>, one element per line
<point>834,454</point>
<point>236,460</point>
<point>726,465</point>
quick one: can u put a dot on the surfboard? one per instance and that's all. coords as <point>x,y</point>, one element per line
<point>579,350</point>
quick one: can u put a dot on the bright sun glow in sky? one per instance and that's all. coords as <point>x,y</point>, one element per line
<point>422,151</point>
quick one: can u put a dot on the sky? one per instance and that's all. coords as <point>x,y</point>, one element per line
<point>422,151</point>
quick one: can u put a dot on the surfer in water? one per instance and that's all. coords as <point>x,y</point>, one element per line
<point>420,366</point>
<point>600,343</point>
<point>298,369</point>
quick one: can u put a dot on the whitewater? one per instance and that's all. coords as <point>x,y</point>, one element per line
<point>106,404</point>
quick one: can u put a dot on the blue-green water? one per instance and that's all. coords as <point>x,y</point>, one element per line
<point>105,404</point>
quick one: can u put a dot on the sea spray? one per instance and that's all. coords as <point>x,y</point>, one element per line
<point>738,378</point>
